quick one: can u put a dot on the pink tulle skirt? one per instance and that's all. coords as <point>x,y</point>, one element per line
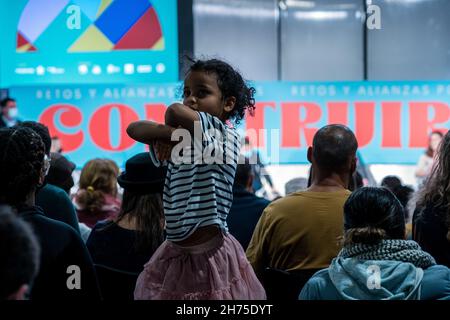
<point>215,270</point>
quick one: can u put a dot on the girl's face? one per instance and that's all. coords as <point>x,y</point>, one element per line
<point>201,93</point>
<point>435,139</point>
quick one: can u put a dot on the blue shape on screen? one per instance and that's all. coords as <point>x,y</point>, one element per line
<point>89,7</point>
<point>120,16</point>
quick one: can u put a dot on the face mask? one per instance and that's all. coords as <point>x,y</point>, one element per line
<point>12,113</point>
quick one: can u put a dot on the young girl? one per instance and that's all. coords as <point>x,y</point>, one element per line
<point>200,259</point>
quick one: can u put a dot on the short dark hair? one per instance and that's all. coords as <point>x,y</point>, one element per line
<point>243,173</point>
<point>42,131</point>
<point>333,146</point>
<point>231,84</point>
<point>19,253</point>
<point>5,101</point>
<point>372,214</point>
<point>21,163</point>
<point>391,182</point>
<point>403,194</point>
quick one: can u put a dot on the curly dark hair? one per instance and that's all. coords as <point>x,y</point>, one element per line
<point>21,164</point>
<point>231,84</point>
<point>41,130</point>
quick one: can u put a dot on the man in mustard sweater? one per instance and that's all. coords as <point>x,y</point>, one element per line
<point>302,230</point>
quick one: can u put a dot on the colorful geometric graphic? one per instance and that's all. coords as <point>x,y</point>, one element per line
<point>106,25</point>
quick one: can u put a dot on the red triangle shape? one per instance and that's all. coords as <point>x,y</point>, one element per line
<point>143,35</point>
<point>21,40</point>
<point>32,48</point>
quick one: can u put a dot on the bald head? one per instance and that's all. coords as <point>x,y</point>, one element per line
<point>334,148</point>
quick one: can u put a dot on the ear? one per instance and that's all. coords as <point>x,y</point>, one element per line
<point>229,104</point>
<point>309,154</point>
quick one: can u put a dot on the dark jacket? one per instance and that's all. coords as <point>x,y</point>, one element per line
<point>61,247</point>
<point>430,232</point>
<point>244,214</point>
<point>114,247</point>
<point>57,205</point>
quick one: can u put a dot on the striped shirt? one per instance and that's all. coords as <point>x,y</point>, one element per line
<point>198,194</point>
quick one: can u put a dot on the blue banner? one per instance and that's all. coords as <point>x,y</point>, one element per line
<point>392,120</point>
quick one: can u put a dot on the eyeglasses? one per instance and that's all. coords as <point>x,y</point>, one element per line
<point>47,162</point>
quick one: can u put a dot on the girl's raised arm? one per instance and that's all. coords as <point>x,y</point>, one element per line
<point>178,115</point>
<point>148,131</point>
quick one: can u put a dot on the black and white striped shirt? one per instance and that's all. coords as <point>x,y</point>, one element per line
<point>199,194</point>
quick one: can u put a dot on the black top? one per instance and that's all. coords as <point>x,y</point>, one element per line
<point>61,247</point>
<point>113,246</point>
<point>244,214</point>
<point>57,205</point>
<point>430,231</point>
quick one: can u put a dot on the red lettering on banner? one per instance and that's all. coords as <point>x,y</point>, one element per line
<point>420,126</point>
<point>391,124</point>
<point>70,116</point>
<point>155,112</point>
<point>257,122</point>
<point>364,122</point>
<point>338,113</point>
<point>293,126</point>
<point>99,126</point>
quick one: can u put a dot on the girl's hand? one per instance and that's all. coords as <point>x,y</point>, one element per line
<point>163,150</point>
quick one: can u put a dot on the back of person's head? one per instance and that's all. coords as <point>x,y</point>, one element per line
<point>19,256</point>
<point>334,148</point>
<point>391,182</point>
<point>296,184</point>
<point>42,131</point>
<point>98,177</point>
<point>60,173</point>
<point>22,160</point>
<point>230,83</point>
<point>143,185</point>
<point>436,191</point>
<point>371,215</point>
<point>244,174</point>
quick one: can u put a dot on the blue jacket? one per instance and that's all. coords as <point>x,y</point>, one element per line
<point>352,279</point>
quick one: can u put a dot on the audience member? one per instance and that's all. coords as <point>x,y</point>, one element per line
<point>9,113</point>
<point>60,173</point>
<point>96,199</point>
<point>426,160</point>
<point>431,221</point>
<point>54,202</point>
<point>376,262</point>
<point>22,169</point>
<point>301,230</point>
<point>246,208</point>
<point>19,256</point>
<point>125,244</point>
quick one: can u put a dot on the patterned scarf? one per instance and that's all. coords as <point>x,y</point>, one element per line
<point>398,250</point>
